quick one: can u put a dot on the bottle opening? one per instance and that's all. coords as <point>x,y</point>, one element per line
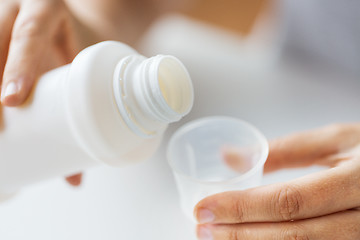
<point>152,92</point>
<point>175,85</point>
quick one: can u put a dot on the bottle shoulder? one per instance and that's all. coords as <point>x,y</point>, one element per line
<point>91,108</point>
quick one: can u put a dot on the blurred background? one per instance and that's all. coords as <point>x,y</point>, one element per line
<point>282,65</point>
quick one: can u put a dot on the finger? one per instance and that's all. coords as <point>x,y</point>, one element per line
<point>343,225</point>
<point>30,37</point>
<point>311,147</point>
<point>74,180</point>
<point>311,196</point>
<point>8,13</point>
<point>238,159</point>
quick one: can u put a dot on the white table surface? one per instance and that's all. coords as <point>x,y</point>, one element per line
<point>231,77</point>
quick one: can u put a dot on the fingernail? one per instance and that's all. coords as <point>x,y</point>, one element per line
<point>204,233</point>
<point>205,216</point>
<point>10,89</point>
<point>75,180</point>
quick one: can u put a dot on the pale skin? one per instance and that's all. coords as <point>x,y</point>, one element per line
<point>320,206</point>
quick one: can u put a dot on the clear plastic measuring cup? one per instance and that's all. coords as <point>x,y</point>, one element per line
<point>215,154</point>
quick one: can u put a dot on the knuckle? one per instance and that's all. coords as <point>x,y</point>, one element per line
<point>33,24</point>
<point>28,28</point>
<point>287,203</point>
<point>295,233</point>
<point>237,210</point>
<point>233,235</point>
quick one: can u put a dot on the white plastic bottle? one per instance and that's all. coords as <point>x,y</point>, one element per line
<point>111,105</point>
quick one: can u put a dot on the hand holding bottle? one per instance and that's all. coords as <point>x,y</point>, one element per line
<point>37,35</point>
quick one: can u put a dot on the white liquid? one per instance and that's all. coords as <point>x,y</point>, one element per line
<point>177,93</point>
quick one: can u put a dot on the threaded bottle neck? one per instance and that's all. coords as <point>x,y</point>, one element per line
<point>152,92</point>
<point>164,88</point>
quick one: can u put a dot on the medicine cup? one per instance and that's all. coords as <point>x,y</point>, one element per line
<point>215,154</point>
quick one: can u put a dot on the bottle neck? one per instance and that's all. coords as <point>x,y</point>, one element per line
<point>152,92</point>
